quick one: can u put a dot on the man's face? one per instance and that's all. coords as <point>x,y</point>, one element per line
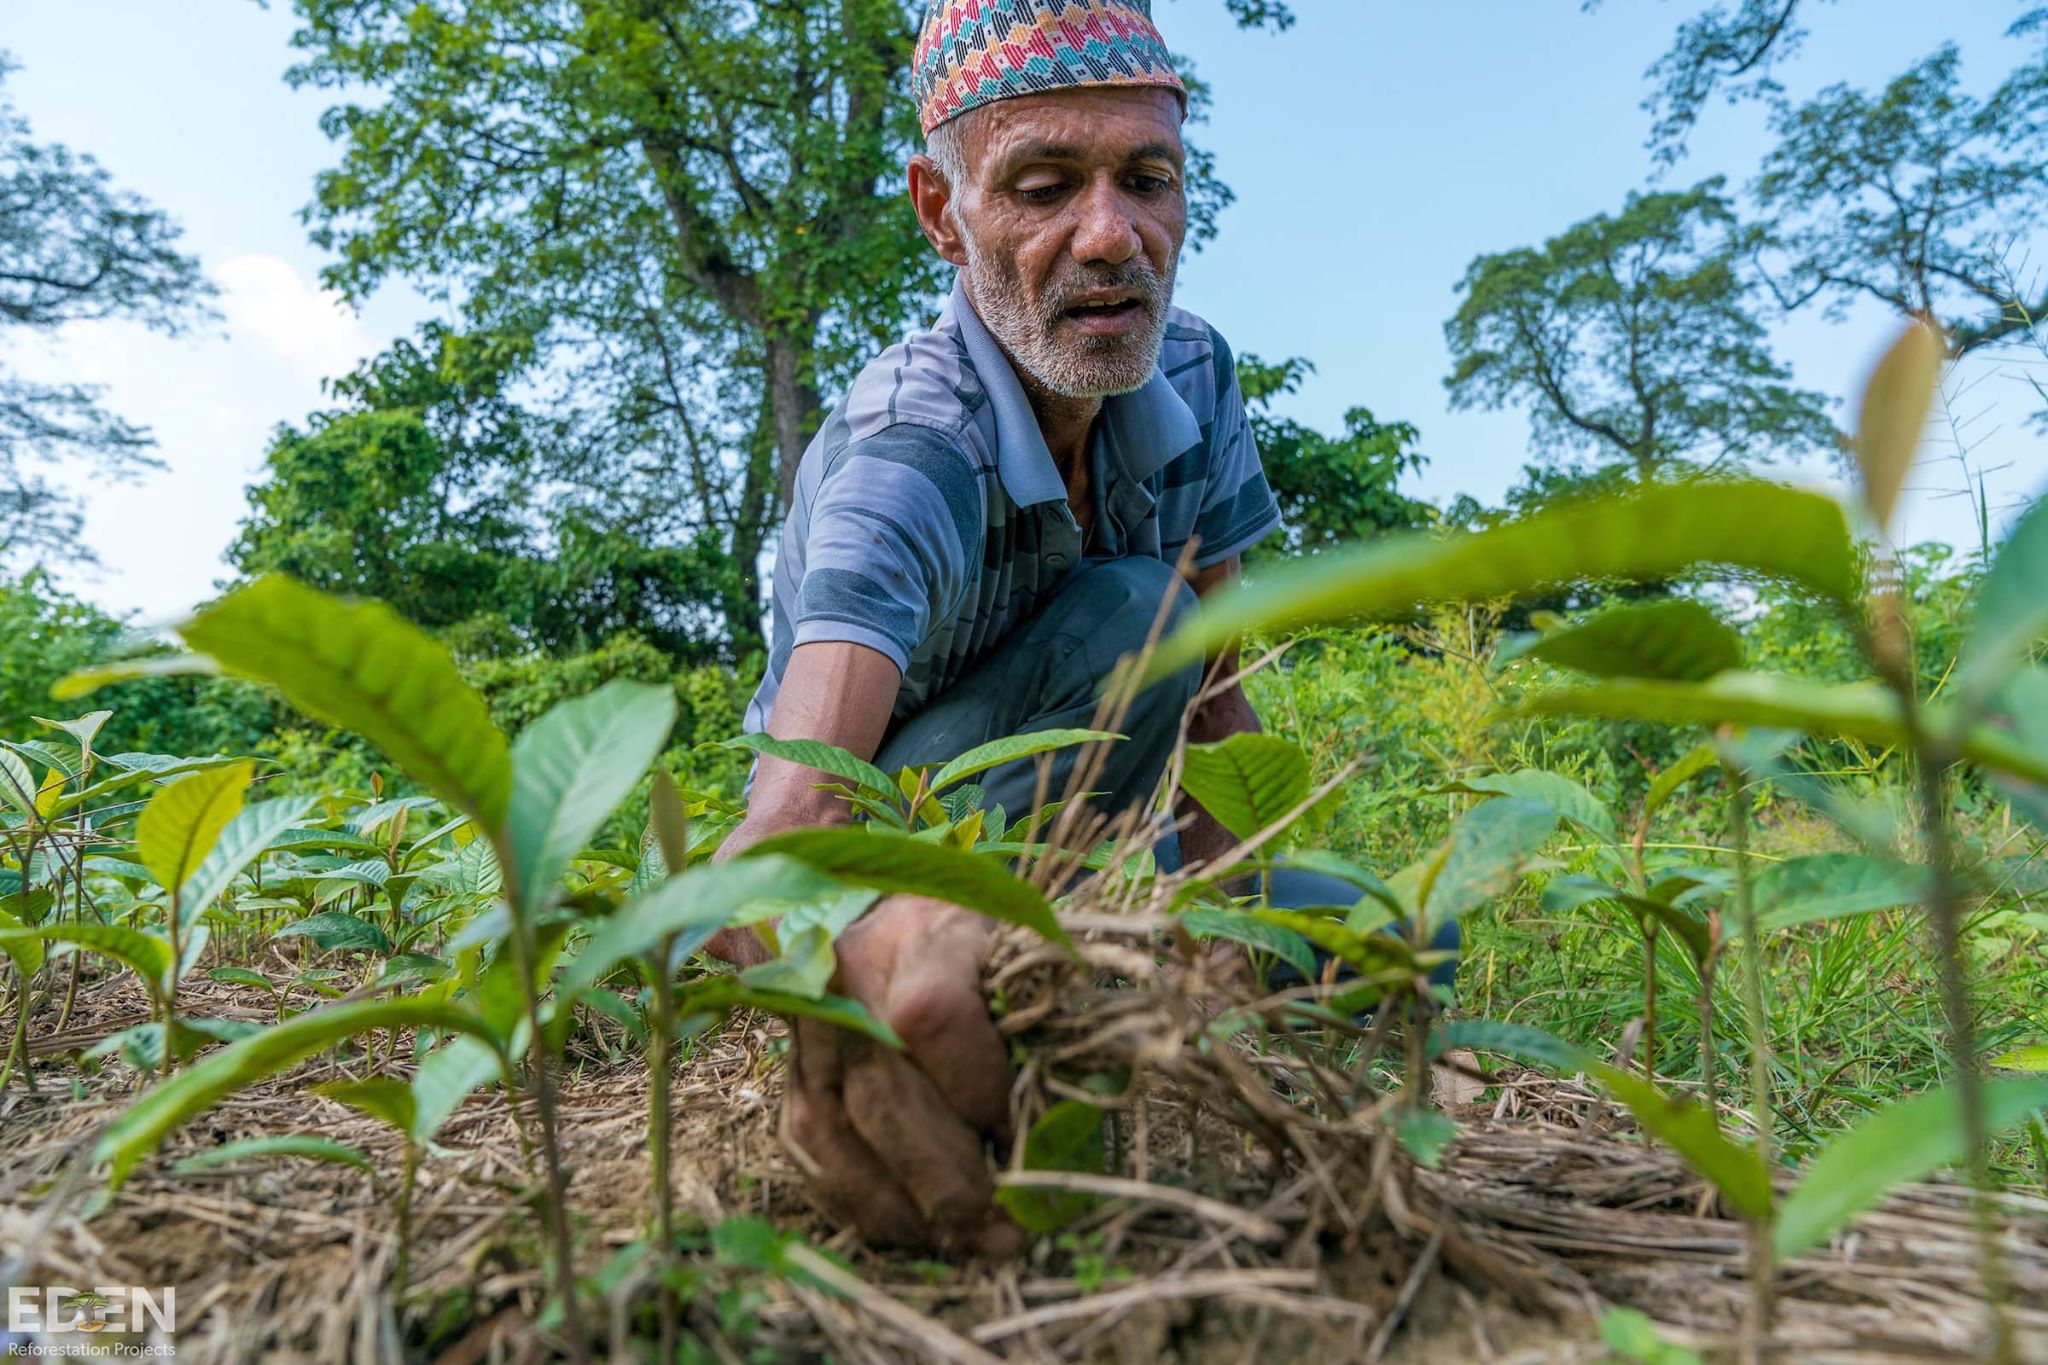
<point>1071,225</point>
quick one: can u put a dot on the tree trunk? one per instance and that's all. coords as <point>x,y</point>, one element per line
<point>792,401</point>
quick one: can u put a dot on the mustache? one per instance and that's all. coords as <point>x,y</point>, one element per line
<point>1135,275</point>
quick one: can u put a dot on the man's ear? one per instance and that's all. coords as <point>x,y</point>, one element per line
<point>930,195</point>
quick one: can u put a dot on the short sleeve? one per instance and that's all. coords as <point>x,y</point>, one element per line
<point>889,542</point>
<point>1238,508</point>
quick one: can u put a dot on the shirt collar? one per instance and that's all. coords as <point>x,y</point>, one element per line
<point>1146,428</point>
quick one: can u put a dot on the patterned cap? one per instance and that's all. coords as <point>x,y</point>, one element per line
<point>975,52</point>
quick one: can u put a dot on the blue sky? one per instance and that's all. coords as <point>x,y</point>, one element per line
<point>1375,149</point>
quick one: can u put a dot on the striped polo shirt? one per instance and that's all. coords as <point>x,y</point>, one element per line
<point>928,518</point>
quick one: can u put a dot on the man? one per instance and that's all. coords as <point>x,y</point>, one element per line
<point>989,520</point>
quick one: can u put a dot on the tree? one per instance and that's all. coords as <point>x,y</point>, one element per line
<point>692,206</point>
<point>73,248</point>
<point>1633,336</point>
<point>1332,490</point>
<point>421,490</point>
<point>1734,52</point>
<point>1915,197</point>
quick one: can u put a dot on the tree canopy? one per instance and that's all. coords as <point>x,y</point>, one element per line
<point>1633,336</point>
<point>73,248</point>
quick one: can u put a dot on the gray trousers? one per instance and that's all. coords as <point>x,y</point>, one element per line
<point>1048,674</point>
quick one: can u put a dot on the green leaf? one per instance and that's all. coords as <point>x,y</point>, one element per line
<point>1893,418</point>
<point>1248,782</point>
<point>1238,926</point>
<point>338,931</point>
<point>2033,1058</point>
<point>144,1124</point>
<point>361,666</point>
<point>413,967</point>
<point>242,841</point>
<point>1011,748</point>
<point>1426,1134</point>
<point>669,822</point>
<point>1489,846</point>
<point>719,994</point>
<point>1531,1045</point>
<point>699,902</point>
<point>1379,959</point>
<point>1630,1332</point>
<point>294,1145</point>
<point>1825,886</point>
<point>1568,798</point>
<point>84,681</point>
<point>1066,1137</point>
<point>17,783</point>
<point>146,954</point>
<point>571,768</point>
<point>447,1076</point>
<point>1697,760</point>
<point>2011,615</point>
<point>803,968</point>
<point>1654,533</point>
<point>1569,893</point>
<point>1903,1141</point>
<point>1860,711</point>
<point>383,1098</point>
<point>826,758</point>
<point>25,949</point>
<point>240,976</point>
<point>895,864</point>
<point>85,729</point>
<point>1736,1170</point>
<point>1674,639</point>
<point>183,821</point>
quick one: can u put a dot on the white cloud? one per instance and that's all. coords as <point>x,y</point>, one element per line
<point>267,300</point>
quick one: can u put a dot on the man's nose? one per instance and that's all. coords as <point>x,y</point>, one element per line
<point>1107,232</point>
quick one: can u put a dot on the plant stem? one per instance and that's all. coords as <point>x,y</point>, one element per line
<point>1650,1003</point>
<point>403,1276</point>
<point>524,954</point>
<point>20,1026</point>
<point>659,1120</point>
<point>1762,1270</point>
<point>1707,1059</point>
<point>164,1063</point>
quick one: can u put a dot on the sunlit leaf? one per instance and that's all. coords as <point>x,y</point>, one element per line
<point>361,666</point>
<point>1011,748</point>
<point>17,783</point>
<point>890,863</point>
<point>182,822</point>
<point>1893,417</point>
<point>803,968</point>
<point>2033,1058</point>
<point>1906,1140</point>
<point>1248,782</point>
<point>241,976</point>
<point>1672,638</point>
<point>72,686</point>
<point>85,729</point>
<point>1857,711</point>
<point>826,758</point>
<point>1653,533</point>
<point>146,954</point>
<point>571,768</point>
<point>26,950</point>
<point>242,841</point>
<point>1824,886</point>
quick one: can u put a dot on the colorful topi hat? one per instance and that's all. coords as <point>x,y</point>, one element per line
<point>975,52</point>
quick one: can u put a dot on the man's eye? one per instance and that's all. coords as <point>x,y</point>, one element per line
<point>1042,193</point>
<point>1150,184</point>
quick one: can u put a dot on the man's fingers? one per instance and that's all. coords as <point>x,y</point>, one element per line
<point>901,1116</point>
<point>850,1183</point>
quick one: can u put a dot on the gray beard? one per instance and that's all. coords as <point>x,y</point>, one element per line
<point>1096,367</point>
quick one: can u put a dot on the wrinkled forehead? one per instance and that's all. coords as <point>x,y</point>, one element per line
<point>1107,126</point>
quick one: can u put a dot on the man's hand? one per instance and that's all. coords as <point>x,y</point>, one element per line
<point>891,1142</point>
